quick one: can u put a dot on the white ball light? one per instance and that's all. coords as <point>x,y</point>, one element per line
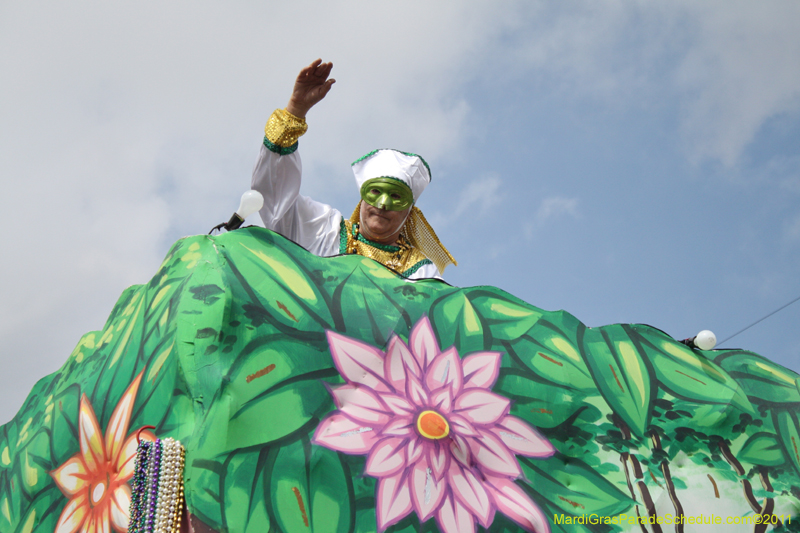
<point>705,340</point>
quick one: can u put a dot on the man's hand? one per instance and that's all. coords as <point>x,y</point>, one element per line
<point>311,86</point>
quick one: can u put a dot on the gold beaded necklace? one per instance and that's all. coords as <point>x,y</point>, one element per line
<point>399,257</point>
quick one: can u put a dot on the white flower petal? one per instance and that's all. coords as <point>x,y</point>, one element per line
<point>479,406</point>
<point>454,517</point>
<point>386,458</point>
<point>481,369</point>
<point>512,501</point>
<point>393,501</point>
<point>423,343</point>
<point>522,438</point>
<point>357,362</point>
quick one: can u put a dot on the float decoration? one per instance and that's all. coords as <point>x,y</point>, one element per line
<point>330,395</point>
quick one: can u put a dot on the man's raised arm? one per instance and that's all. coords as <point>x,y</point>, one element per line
<point>278,170</point>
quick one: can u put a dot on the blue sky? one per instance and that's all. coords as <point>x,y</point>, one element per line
<point>624,161</point>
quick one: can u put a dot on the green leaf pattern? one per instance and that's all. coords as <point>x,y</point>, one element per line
<point>230,335</point>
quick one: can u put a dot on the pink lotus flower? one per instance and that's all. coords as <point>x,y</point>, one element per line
<point>437,439</point>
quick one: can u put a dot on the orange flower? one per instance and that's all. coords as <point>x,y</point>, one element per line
<point>95,478</point>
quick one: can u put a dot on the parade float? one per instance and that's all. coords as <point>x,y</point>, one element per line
<point>330,395</point>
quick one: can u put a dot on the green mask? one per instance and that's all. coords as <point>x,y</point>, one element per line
<point>387,193</point>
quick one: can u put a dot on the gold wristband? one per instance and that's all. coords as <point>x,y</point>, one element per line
<point>283,129</point>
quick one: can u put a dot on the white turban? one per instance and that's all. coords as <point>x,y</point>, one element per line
<point>411,169</point>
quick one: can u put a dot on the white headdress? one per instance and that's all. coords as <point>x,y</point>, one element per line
<point>412,170</point>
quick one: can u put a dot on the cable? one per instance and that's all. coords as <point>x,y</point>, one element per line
<point>757,321</point>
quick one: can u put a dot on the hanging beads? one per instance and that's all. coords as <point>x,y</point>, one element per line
<point>157,487</point>
<point>139,487</point>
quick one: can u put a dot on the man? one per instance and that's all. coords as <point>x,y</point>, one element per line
<point>385,226</point>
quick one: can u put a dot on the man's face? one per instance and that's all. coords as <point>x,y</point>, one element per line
<point>381,225</point>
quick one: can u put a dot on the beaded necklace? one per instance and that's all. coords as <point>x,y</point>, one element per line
<point>404,259</point>
<point>157,487</point>
<point>391,256</point>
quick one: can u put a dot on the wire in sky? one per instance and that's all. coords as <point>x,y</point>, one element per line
<point>759,320</point>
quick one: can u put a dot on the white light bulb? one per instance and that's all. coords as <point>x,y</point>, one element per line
<point>705,340</point>
<point>251,202</point>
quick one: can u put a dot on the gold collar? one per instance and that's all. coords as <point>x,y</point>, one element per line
<point>403,258</point>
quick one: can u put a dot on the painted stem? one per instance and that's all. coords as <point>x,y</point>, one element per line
<point>769,503</point>
<point>673,494</point>
<point>637,472</point>
<point>645,492</point>
<point>624,458</point>
<point>739,469</point>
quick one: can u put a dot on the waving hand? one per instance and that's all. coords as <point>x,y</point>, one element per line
<point>311,86</point>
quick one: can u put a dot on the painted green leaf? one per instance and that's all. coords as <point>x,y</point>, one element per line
<point>560,522</point>
<point>576,489</point>
<point>687,373</point>
<point>9,502</point>
<point>280,411</point>
<point>198,327</point>
<point>762,449</point>
<point>163,301</point>
<point>293,298</point>
<point>36,516</point>
<point>363,486</point>
<point>34,463</point>
<point>542,404</point>
<point>64,423</point>
<point>121,304</point>
<point>160,387</point>
<point>243,478</point>
<point>554,355</point>
<point>275,387</point>
<point>366,522</point>
<point>789,432</point>
<point>5,454</point>
<point>207,504</point>
<point>25,520</point>
<point>622,375</point>
<point>177,422</point>
<point>713,415</point>
<point>367,310</point>
<point>506,317</point>
<point>308,490</point>
<point>270,360</point>
<point>8,447</point>
<point>761,379</point>
<point>124,339</point>
<point>207,293</point>
<point>330,492</point>
<point>457,323</point>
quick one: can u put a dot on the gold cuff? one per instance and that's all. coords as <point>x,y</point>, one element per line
<point>283,129</point>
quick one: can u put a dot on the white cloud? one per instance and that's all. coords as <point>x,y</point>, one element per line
<point>478,198</point>
<point>556,206</point>
<point>729,65</point>
<point>552,207</point>
<point>742,69</point>
<point>476,201</point>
